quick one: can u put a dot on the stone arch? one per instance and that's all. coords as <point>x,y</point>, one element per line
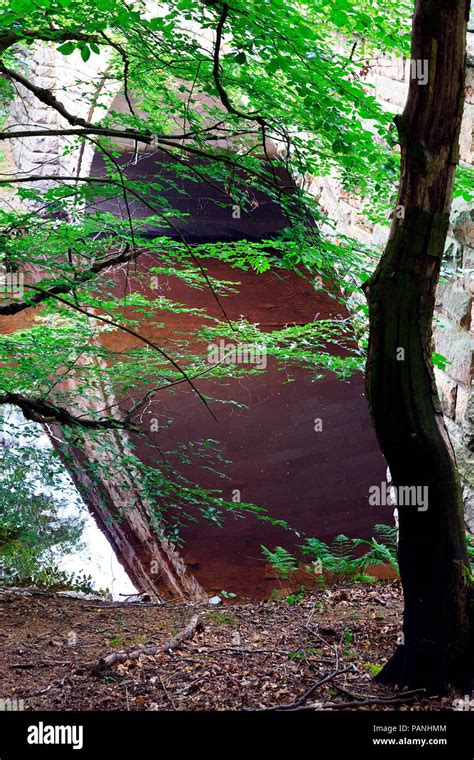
<point>49,67</point>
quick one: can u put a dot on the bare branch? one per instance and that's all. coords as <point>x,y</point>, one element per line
<point>38,410</point>
<point>104,131</point>
<point>46,96</point>
<point>111,322</point>
<point>216,71</point>
<point>14,307</point>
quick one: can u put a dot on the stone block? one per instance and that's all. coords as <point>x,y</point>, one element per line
<point>468,499</point>
<point>390,68</point>
<point>452,257</point>
<point>456,345</point>
<point>447,390</point>
<point>469,94</point>
<point>463,227</point>
<point>380,235</point>
<point>45,70</point>
<point>455,302</point>
<point>454,432</point>
<point>465,464</point>
<point>46,82</point>
<point>46,145</point>
<point>42,116</point>
<point>468,422</point>
<point>466,144</point>
<point>391,91</point>
<point>461,404</point>
<point>468,270</point>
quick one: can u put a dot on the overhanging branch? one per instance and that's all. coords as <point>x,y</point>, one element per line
<point>15,307</point>
<point>46,96</point>
<point>38,410</point>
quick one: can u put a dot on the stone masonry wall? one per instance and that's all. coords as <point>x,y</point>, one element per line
<point>75,84</point>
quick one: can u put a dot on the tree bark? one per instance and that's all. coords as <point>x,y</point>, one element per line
<point>436,646</point>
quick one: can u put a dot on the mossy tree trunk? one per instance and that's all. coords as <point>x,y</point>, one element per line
<point>436,645</point>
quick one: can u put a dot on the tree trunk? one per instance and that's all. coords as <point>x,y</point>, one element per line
<point>436,646</point>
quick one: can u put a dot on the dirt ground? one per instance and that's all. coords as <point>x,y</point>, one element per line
<point>252,655</point>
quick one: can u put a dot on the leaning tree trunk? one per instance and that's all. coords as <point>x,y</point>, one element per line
<point>436,646</point>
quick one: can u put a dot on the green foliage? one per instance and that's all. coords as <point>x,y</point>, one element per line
<point>35,528</point>
<point>22,570</point>
<point>223,618</point>
<point>227,594</point>
<point>463,183</point>
<point>439,360</point>
<point>470,551</point>
<point>298,597</point>
<point>341,556</point>
<point>282,561</point>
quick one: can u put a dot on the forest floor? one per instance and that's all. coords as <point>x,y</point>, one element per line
<point>251,655</point>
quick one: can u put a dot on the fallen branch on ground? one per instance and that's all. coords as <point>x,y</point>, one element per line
<point>194,625</point>
<point>399,699</point>
<point>300,702</point>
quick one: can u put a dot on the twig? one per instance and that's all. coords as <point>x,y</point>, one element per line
<point>300,702</point>
<point>194,625</point>
<point>168,696</point>
<point>243,650</point>
<point>362,702</point>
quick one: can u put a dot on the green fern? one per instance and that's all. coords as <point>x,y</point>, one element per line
<point>378,554</point>
<point>315,549</point>
<point>336,558</point>
<point>388,535</point>
<point>281,560</point>
<point>341,547</point>
<point>340,556</point>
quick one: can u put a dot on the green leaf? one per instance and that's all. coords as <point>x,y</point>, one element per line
<point>19,5</point>
<point>240,57</point>
<point>67,48</point>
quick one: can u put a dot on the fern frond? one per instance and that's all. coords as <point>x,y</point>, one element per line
<point>281,560</point>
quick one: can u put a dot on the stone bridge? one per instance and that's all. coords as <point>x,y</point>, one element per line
<point>86,90</point>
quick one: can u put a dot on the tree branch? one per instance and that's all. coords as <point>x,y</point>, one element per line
<point>104,131</point>
<point>47,97</point>
<point>55,35</point>
<point>14,307</point>
<point>111,322</point>
<point>216,72</point>
<point>38,410</point>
